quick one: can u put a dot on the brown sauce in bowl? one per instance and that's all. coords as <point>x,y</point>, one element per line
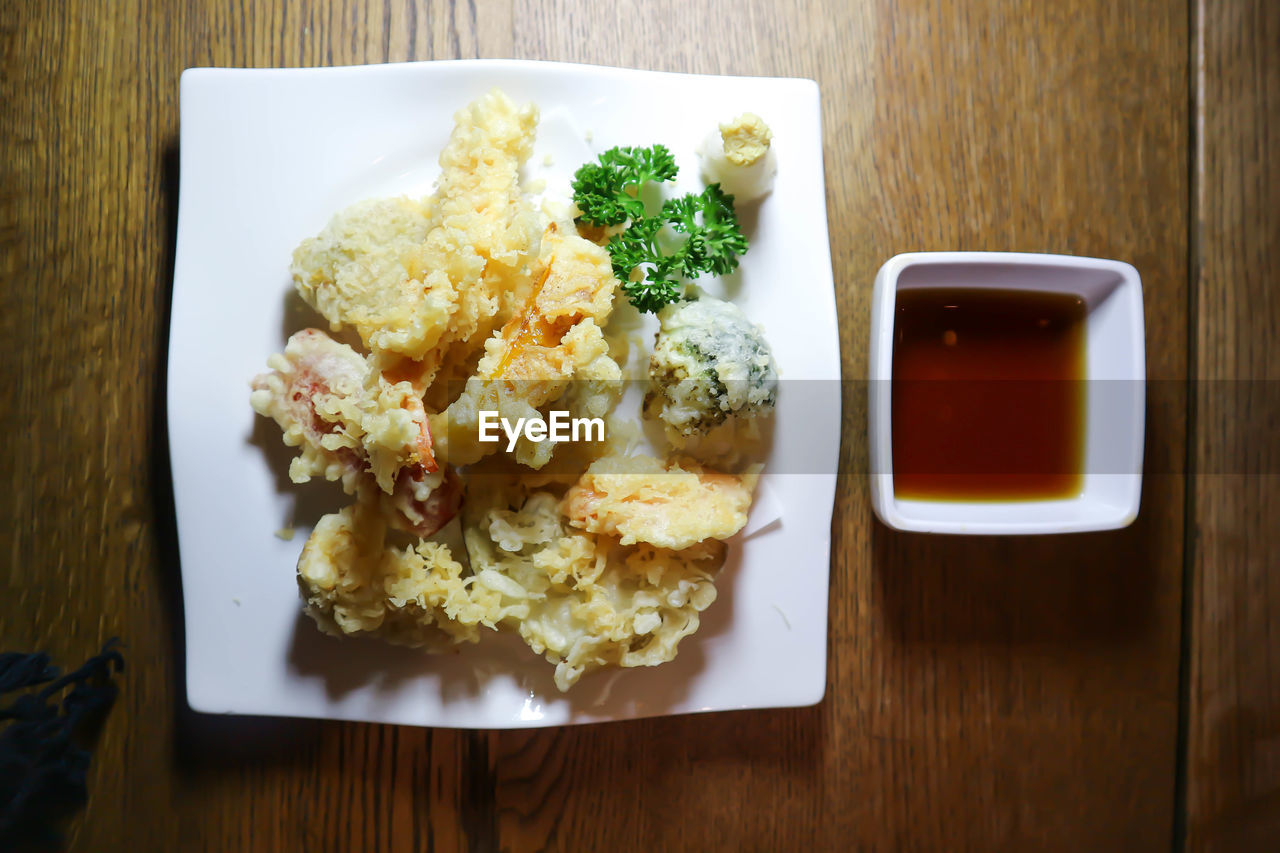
<point>988,394</point>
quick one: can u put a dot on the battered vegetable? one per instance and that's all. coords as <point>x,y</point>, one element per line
<point>710,363</point>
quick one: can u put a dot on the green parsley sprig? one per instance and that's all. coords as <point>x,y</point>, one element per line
<point>607,192</point>
<point>602,190</point>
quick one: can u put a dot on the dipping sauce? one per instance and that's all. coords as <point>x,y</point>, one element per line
<point>988,394</point>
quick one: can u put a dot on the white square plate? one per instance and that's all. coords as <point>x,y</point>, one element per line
<point>268,156</point>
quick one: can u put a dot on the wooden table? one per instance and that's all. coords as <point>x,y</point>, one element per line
<point>1112,691</point>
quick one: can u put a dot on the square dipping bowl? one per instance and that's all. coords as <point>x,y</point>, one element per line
<point>1114,396</point>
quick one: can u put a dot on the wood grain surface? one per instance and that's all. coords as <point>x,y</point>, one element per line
<point>1233,746</point>
<point>982,694</point>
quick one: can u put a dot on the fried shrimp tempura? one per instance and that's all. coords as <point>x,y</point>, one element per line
<point>675,505</point>
<point>353,426</point>
<point>554,336</point>
<point>420,281</point>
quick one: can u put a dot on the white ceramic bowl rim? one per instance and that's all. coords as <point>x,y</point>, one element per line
<point>1116,394</point>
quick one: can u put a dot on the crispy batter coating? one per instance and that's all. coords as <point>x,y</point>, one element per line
<point>552,338</point>
<point>583,601</point>
<point>353,584</point>
<point>354,426</point>
<point>675,505</point>
<point>420,281</point>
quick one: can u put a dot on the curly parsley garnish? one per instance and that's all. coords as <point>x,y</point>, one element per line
<point>608,193</point>
<point>601,189</point>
